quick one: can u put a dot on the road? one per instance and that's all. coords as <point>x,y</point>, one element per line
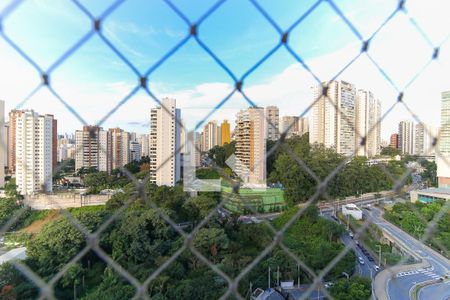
<point>368,268</point>
<point>430,292</point>
<point>400,286</point>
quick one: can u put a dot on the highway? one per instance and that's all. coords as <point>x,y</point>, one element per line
<point>401,285</point>
<point>368,268</point>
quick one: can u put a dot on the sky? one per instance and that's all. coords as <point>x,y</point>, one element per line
<point>94,80</point>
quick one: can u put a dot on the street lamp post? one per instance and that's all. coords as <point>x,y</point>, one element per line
<point>379,254</point>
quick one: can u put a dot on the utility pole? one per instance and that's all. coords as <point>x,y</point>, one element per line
<point>278,276</point>
<point>268,281</point>
<point>379,254</point>
<point>348,222</point>
<point>298,273</point>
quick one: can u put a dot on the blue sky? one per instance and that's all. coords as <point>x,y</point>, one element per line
<point>94,79</point>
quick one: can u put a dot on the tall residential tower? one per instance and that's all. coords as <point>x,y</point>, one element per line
<point>165,161</point>
<point>34,152</point>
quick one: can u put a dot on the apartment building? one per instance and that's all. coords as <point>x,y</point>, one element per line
<point>250,134</point>
<point>34,152</point>
<point>225,137</point>
<point>93,149</point>
<point>3,144</point>
<point>165,158</point>
<point>120,148</point>
<point>273,123</point>
<point>406,137</point>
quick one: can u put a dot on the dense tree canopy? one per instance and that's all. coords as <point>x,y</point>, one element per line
<point>356,288</point>
<point>416,217</point>
<point>390,151</point>
<point>141,241</point>
<point>353,177</point>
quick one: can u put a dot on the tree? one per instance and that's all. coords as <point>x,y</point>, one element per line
<point>14,285</point>
<point>83,171</point>
<point>211,241</point>
<point>8,206</point>
<point>219,154</point>
<point>197,208</point>
<point>355,288</point>
<point>139,237</point>
<point>60,240</point>
<point>133,167</point>
<point>11,189</point>
<point>390,151</point>
<point>97,181</point>
<point>112,287</point>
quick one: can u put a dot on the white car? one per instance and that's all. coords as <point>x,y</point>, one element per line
<point>361,261</point>
<point>377,268</point>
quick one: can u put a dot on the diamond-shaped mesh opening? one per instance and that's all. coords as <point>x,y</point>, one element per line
<point>148,241</point>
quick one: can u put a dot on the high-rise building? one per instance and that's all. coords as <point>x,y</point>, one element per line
<point>443,155</point>
<point>394,141</point>
<point>273,123</point>
<point>294,126</point>
<point>54,143</point>
<point>198,147</point>
<point>144,141</point>
<point>34,152</point>
<point>423,141</point>
<point>210,138</point>
<point>406,137</point>
<point>132,136</point>
<point>289,126</point>
<point>3,143</point>
<point>333,117</point>
<point>225,133</point>
<point>165,159</point>
<point>135,151</point>
<point>250,134</point>
<point>93,149</point>
<point>303,126</point>
<point>120,148</point>
<point>66,151</point>
<point>13,115</point>
<point>367,115</point>
<point>6,144</point>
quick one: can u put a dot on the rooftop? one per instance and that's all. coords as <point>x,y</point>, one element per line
<point>443,191</point>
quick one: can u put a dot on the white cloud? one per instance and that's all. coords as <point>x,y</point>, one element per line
<point>290,89</point>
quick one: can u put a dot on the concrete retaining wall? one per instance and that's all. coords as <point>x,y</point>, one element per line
<point>58,201</point>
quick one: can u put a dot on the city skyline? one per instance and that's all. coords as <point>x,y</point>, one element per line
<point>279,81</point>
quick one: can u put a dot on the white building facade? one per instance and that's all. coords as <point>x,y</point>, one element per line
<point>367,116</point>
<point>144,141</point>
<point>406,137</point>
<point>443,155</point>
<point>3,144</point>
<point>165,158</point>
<point>34,153</point>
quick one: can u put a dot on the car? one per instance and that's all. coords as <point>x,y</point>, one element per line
<point>328,284</point>
<point>377,268</point>
<point>370,258</point>
<point>255,220</point>
<point>361,260</point>
<point>350,234</point>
